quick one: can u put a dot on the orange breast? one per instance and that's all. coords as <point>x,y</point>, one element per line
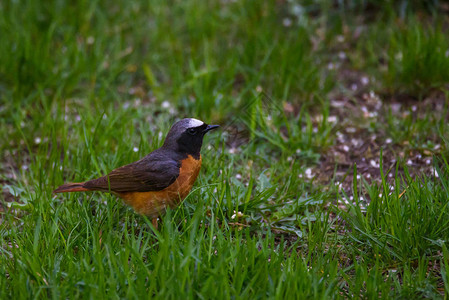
<point>153,204</point>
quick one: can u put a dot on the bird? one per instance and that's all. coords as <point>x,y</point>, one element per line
<point>161,179</point>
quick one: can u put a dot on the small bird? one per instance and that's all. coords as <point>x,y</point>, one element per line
<point>161,179</point>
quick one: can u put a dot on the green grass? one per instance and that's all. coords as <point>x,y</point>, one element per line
<point>408,56</point>
<point>401,230</point>
<point>88,87</point>
<point>412,50</point>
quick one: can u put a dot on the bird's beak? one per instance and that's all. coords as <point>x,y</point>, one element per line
<point>210,127</point>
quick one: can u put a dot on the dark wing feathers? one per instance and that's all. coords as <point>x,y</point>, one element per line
<point>152,173</point>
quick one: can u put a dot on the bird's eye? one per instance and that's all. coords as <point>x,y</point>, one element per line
<point>192,131</point>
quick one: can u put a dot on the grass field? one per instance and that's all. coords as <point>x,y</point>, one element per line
<point>329,177</point>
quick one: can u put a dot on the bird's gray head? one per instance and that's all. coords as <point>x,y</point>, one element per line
<point>186,136</point>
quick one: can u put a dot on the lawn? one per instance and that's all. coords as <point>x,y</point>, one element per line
<point>329,176</point>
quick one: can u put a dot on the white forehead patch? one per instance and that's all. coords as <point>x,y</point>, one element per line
<point>195,122</point>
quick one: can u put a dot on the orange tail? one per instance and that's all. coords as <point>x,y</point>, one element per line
<point>71,187</point>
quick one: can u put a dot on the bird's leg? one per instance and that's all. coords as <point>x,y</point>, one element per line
<point>154,222</point>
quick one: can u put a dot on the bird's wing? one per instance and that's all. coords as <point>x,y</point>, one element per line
<point>153,173</point>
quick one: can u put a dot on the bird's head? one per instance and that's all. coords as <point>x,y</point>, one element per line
<point>186,136</point>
